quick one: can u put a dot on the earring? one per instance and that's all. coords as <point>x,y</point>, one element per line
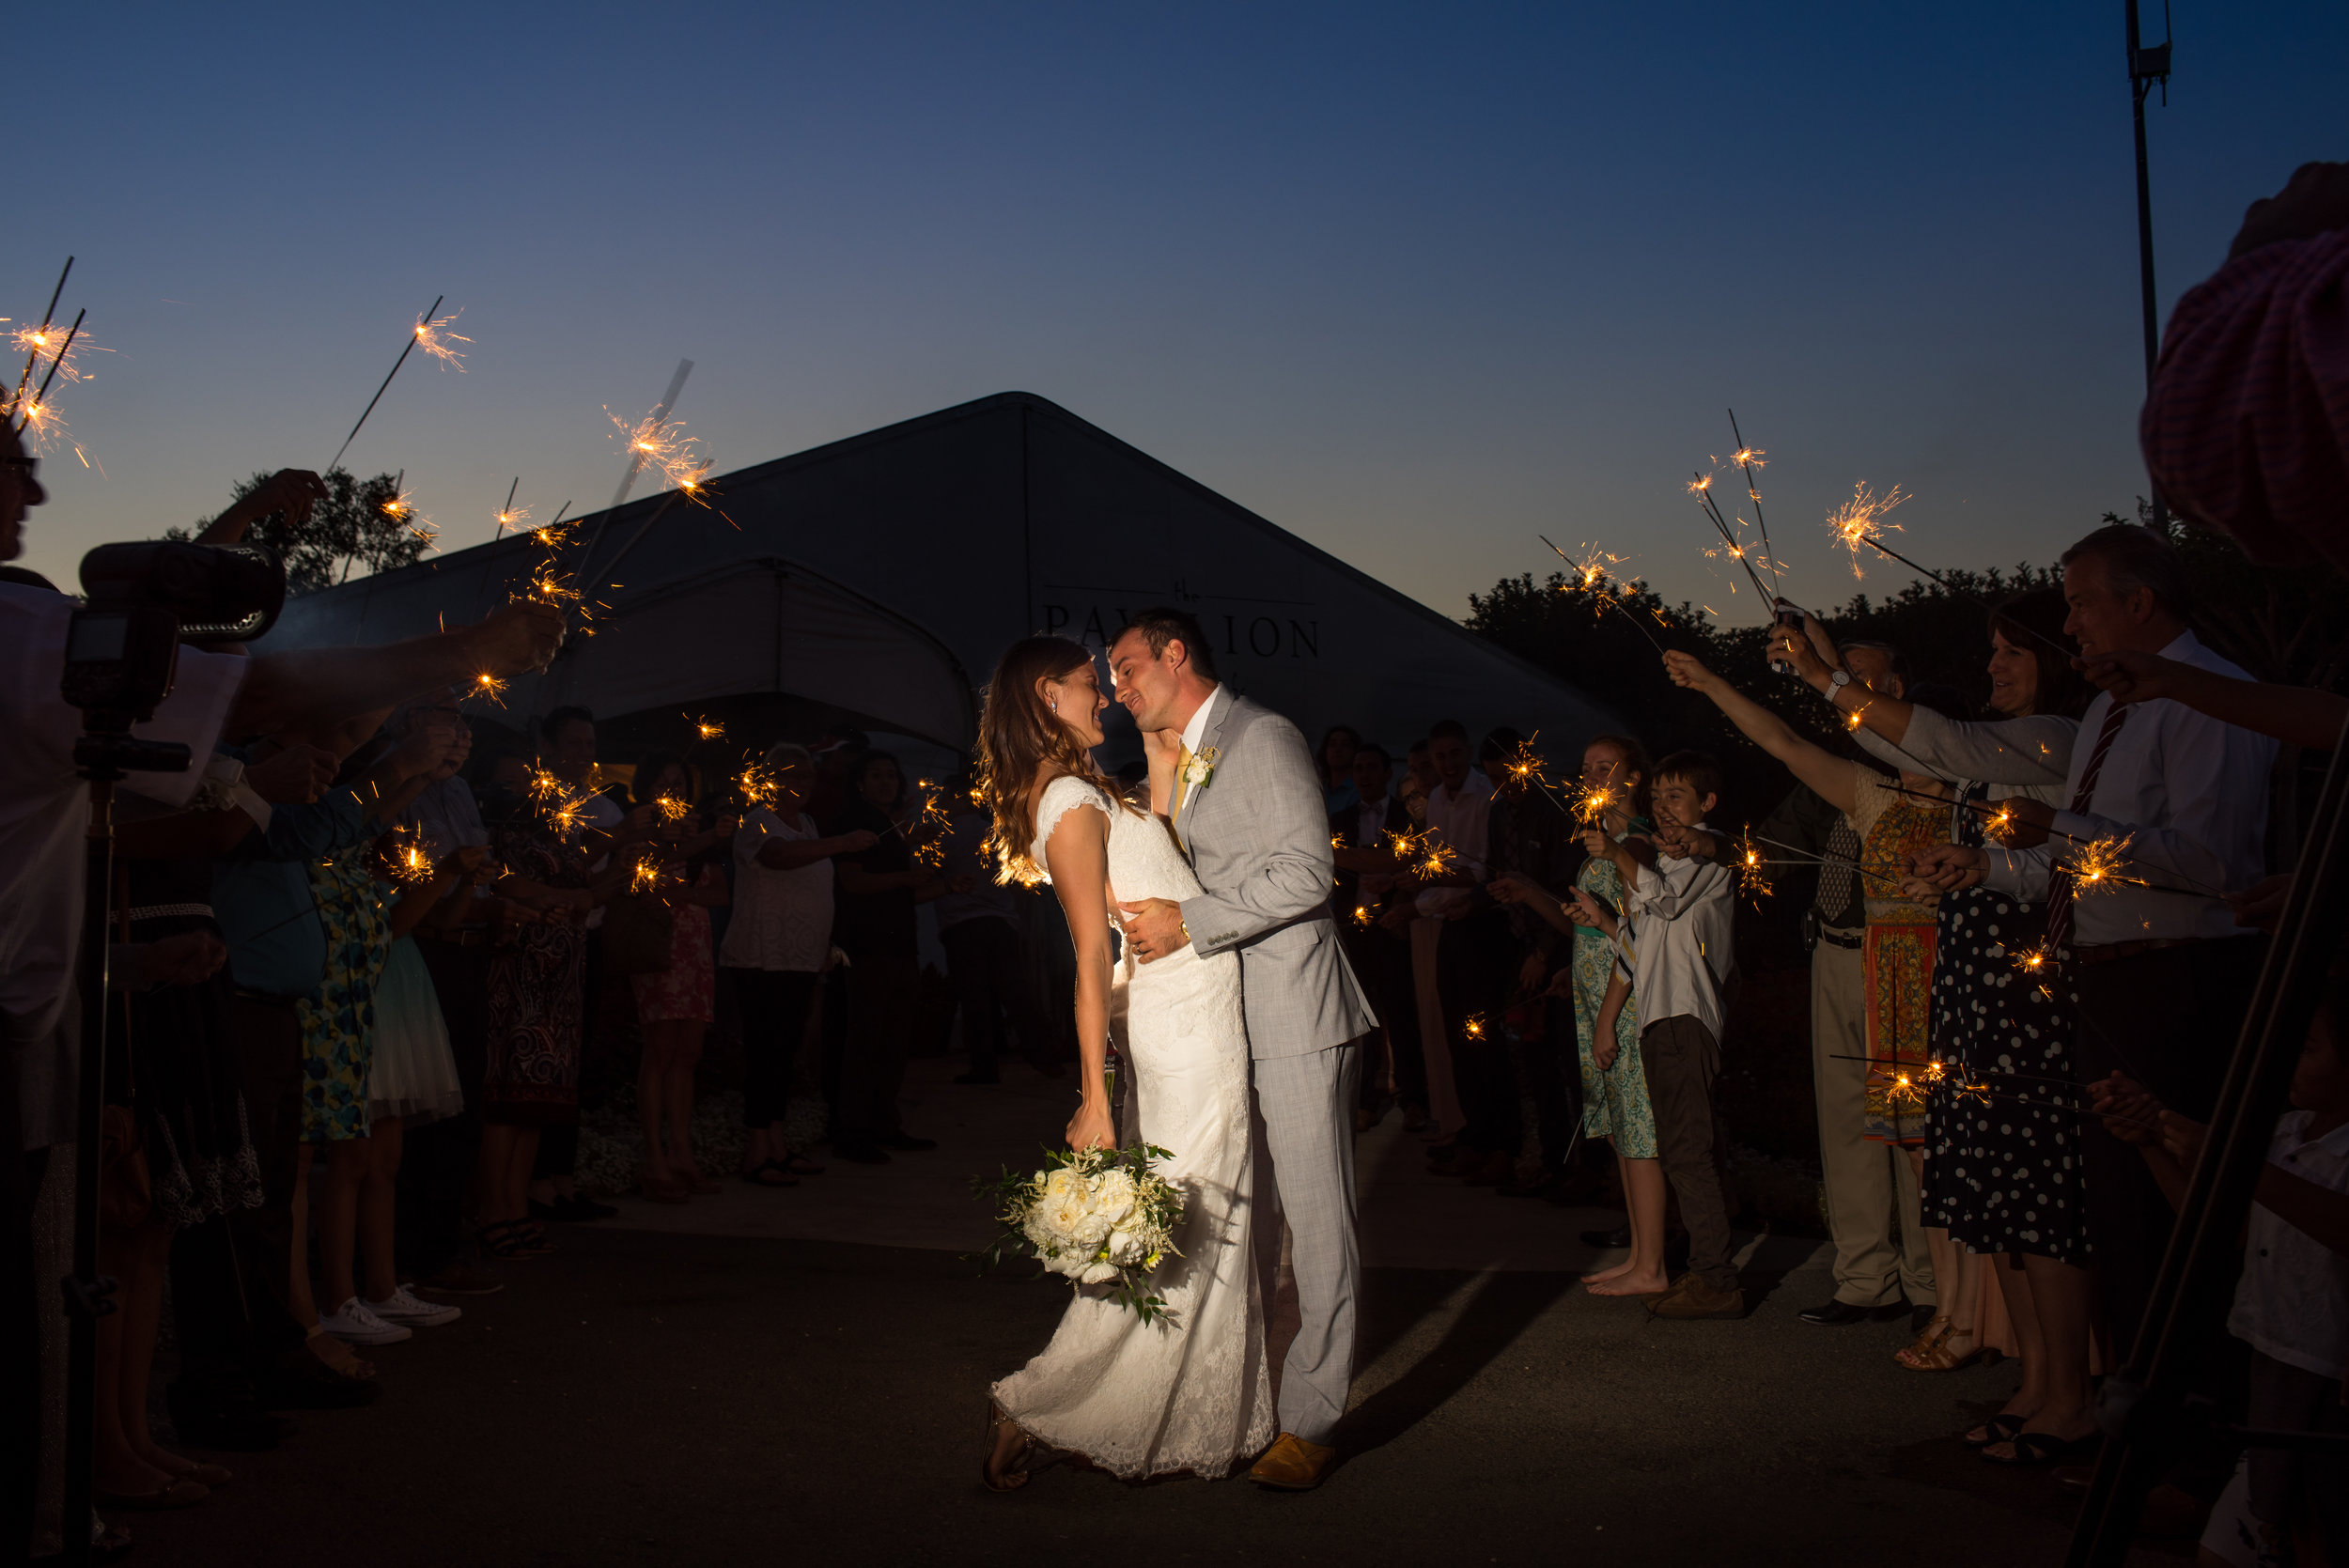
<point>1054,703</point>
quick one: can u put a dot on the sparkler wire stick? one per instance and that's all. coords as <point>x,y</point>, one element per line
<point>1812,859</point>
<point>1874,543</point>
<point>1703,491</point>
<point>1753,492</point>
<point>46,317</point>
<point>1982,809</point>
<point>405,351</point>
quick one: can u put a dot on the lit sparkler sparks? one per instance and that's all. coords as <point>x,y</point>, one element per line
<point>434,338</point>
<point>1473,1026</point>
<point>1733,547</point>
<point>2097,866</point>
<point>1591,575</point>
<point>647,875</point>
<point>55,347</point>
<point>401,859</point>
<point>1861,522</point>
<point>1753,877</point>
<point>1592,804</point>
<point>489,689</point>
<point>671,808</point>
<point>1362,915</point>
<point>661,443</point>
<point>705,729</point>
<point>758,785</point>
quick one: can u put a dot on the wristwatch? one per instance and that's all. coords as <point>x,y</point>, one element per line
<point>1836,681</point>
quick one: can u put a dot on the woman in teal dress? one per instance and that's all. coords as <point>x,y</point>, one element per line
<point>337,1027</point>
<point>1614,1085</point>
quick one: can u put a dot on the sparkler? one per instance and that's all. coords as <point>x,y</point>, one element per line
<point>1747,458</point>
<point>1473,1026</point>
<point>1861,522</point>
<point>657,442</point>
<point>434,338</point>
<point>1702,488</point>
<point>1590,577</point>
<point>2097,867</point>
<point>488,688</point>
<point>423,335</point>
<point>1753,881</point>
<point>401,510</point>
<point>16,398</point>
<point>47,345</point>
<point>1362,915</point>
<point>671,808</point>
<point>1805,857</point>
<point>35,419</point>
<point>507,515</point>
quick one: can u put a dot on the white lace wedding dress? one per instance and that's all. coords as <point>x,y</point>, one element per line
<point>1193,1394</point>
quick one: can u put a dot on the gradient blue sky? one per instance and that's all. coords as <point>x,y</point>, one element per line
<point>1414,283</point>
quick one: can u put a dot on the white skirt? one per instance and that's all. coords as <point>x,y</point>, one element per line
<point>413,1074</point>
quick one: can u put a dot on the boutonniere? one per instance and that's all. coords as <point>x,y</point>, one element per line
<point>1201,767</point>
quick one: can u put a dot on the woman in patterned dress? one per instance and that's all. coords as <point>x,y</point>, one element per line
<point>530,1079</point>
<point>1614,1085</point>
<point>675,1005</point>
<point>2003,1176</point>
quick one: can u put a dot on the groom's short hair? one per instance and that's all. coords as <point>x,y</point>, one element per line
<point>1163,625</point>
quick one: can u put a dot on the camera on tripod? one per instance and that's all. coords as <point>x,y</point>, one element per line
<point>141,601</point>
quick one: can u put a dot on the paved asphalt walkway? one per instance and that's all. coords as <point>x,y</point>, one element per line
<point>775,1378</point>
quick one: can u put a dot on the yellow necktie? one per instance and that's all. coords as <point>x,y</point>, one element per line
<point>1182,786</point>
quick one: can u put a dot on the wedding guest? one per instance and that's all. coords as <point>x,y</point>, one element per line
<point>676,1002</point>
<point>1368,877</point>
<point>530,1077</point>
<point>2159,972</point>
<point>978,926</point>
<point>777,945</point>
<point>1599,982</point>
<point>2246,426</point>
<point>1472,964</point>
<point>2291,1303</point>
<point>1871,1192</point>
<point>2002,1177</point>
<point>1528,835</point>
<point>874,924</point>
<point>436,1171</point>
<point>1419,779</point>
<point>1335,762</point>
<point>837,751</point>
<point>567,750</point>
<point>1682,975</point>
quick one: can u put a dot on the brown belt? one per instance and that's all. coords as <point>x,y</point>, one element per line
<point>2103,952</point>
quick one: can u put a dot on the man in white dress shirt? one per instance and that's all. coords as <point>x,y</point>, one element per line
<point>2161,974</point>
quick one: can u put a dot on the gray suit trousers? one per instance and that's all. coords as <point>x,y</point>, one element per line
<point>1304,1132</point>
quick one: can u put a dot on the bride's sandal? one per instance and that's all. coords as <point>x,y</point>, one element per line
<point>1013,1473</point>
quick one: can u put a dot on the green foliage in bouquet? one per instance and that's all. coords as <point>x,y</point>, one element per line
<point>1099,1216</point>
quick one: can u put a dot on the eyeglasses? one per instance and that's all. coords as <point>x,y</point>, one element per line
<point>26,466</point>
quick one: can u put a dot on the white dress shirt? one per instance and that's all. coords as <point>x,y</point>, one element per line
<point>1458,820</point>
<point>2292,1303</point>
<point>1198,725</point>
<point>1681,911</point>
<point>2188,792</point>
<point>2028,756</point>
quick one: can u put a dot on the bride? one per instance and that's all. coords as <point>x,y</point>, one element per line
<point>1192,1394</point>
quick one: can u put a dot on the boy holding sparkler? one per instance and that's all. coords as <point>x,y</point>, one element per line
<point>1683,966</point>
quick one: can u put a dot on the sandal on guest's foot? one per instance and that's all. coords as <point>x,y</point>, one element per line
<point>771,1173</point>
<point>2029,1450</point>
<point>1014,1473</point>
<point>1932,1353</point>
<point>2000,1428</point>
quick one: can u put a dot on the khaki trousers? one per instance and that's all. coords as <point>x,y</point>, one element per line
<point>1864,1180</point>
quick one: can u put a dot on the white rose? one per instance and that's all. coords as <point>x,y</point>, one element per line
<point>1092,1231</point>
<point>1068,1218</point>
<point>1062,1185</point>
<point>1127,1248</point>
<point>1095,1274</point>
<point>1113,1195</point>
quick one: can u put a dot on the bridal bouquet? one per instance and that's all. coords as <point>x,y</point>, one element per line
<point>1102,1217</point>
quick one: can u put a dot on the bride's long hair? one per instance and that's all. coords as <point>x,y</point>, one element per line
<point>1019,735</point>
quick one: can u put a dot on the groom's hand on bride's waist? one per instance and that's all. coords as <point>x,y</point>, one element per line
<point>1155,926</point>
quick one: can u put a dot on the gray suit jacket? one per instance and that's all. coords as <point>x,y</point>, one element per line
<point>1258,836</point>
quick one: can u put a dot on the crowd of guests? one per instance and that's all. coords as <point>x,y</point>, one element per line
<point>2034,932</point>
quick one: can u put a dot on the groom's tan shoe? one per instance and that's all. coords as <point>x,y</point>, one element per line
<point>1293,1464</point>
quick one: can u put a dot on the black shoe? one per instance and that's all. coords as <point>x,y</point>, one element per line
<point>1619,1236</point>
<point>1835,1315</point>
<point>905,1143</point>
<point>860,1152</point>
<point>978,1078</point>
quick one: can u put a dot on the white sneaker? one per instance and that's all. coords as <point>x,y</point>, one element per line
<point>403,1307</point>
<point>352,1324</point>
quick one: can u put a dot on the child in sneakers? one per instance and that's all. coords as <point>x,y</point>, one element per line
<point>1679,907</point>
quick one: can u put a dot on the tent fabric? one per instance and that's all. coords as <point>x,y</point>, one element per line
<point>754,627</point>
<point>983,522</point>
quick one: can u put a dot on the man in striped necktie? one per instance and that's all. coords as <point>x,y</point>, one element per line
<point>2159,972</point>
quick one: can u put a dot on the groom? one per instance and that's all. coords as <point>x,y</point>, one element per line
<point>1248,811</point>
